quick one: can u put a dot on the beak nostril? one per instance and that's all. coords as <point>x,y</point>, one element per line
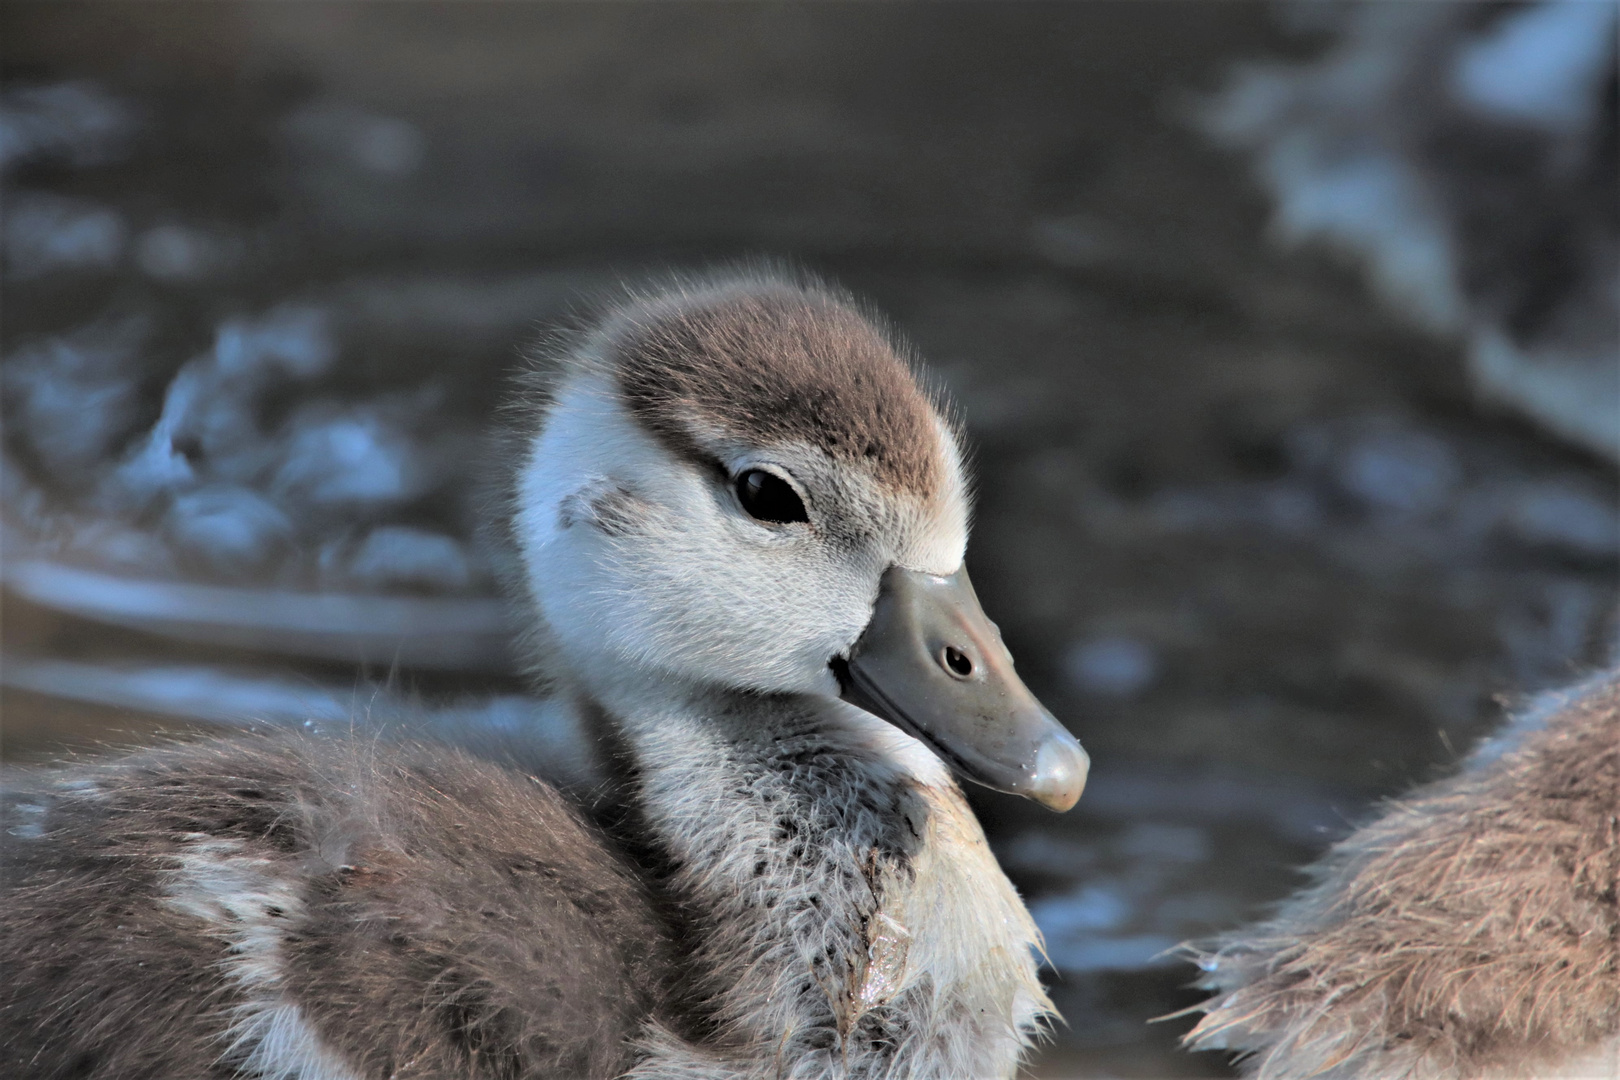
<point>955,661</point>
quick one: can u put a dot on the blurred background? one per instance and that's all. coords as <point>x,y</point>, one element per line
<point>1284,334</point>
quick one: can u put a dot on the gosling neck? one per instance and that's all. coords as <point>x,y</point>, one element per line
<point>845,908</point>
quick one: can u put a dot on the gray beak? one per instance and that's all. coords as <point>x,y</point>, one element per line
<point>931,663</point>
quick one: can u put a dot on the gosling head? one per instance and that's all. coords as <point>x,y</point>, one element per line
<point>739,483</point>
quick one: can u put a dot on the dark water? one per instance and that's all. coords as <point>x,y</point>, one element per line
<point>1247,533</point>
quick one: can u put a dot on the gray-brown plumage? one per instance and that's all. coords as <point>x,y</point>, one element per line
<point>720,488</point>
<point>428,915</point>
<point>1470,932</point>
<point>837,381</point>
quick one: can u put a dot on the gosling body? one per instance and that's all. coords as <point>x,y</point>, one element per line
<point>717,484</point>
<point>1472,932</point>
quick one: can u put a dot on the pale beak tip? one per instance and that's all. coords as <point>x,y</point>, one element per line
<point>1061,767</point>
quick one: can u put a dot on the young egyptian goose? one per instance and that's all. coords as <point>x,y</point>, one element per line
<point>740,526</point>
<point>1470,933</point>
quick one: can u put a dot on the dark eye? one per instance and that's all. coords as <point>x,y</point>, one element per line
<point>768,497</point>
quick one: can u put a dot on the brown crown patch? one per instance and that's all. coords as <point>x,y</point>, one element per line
<point>769,362</point>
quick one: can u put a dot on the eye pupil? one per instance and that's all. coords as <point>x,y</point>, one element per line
<point>958,661</point>
<point>768,497</point>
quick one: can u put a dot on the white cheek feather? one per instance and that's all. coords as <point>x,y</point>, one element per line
<point>586,439</point>
<point>586,448</point>
<point>938,530</point>
<point>686,588</point>
<point>248,904</point>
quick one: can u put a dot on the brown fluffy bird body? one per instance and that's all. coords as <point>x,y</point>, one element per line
<point>184,913</point>
<point>1471,932</point>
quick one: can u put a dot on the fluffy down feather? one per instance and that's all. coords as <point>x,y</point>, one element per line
<point>1470,932</point>
<point>314,909</point>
